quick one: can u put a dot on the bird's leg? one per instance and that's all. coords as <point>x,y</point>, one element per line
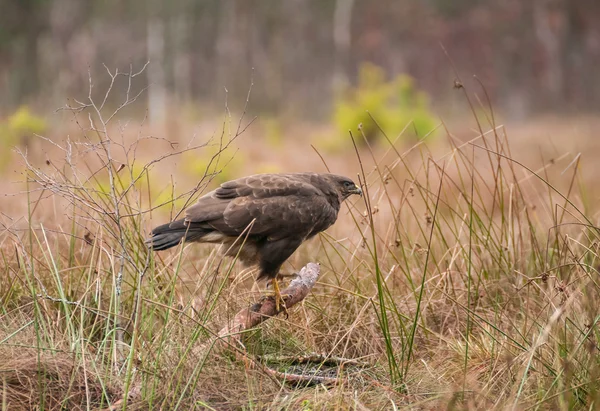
<point>278,298</point>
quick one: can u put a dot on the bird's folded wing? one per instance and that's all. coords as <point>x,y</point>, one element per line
<point>275,217</point>
<point>266,186</point>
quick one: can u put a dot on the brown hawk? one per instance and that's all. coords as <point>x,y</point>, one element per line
<point>261,218</point>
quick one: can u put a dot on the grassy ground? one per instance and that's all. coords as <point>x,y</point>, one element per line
<point>465,279</point>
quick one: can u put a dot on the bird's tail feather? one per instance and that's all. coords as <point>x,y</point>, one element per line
<point>169,235</point>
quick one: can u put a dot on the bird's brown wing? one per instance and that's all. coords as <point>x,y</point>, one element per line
<point>267,185</point>
<point>277,206</point>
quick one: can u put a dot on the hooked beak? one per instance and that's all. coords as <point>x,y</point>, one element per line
<point>357,190</point>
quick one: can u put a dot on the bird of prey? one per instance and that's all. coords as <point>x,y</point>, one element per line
<point>262,218</point>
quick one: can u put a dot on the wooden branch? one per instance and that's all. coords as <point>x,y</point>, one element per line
<point>230,335</point>
<point>322,359</point>
<point>265,308</point>
<point>301,378</point>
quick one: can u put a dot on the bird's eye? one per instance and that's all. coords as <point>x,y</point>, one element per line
<point>348,184</point>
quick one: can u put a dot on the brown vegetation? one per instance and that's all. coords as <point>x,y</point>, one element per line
<point>466,277</point>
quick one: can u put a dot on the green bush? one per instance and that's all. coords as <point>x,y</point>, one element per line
<point>17,129</point>
<point>273,131</point>
<point>208,161</point>
<point>396,105</point>
<point>23,123</point>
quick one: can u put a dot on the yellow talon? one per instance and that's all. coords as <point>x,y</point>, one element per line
<point>279,301</point>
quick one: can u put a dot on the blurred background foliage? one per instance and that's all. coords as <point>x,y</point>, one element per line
<point>395,106</point>
<point>303,56</point>
<point>17,130</point>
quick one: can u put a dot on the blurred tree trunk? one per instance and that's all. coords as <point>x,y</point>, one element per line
<point>540,55</point>
<point>182,62</point>
<point>516,59</point>
<point>28,20</point>
<point>226,42</point>
<point>580,78</point>
<point>202,44</point>
<point>550,27</point>
<point>233,49</point>
<point>157,100</point>
<point>342,36</point>
<point>298,77</point>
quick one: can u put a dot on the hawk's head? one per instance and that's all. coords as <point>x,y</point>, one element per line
<point>345,187</point>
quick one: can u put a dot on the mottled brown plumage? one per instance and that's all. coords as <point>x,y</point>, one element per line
<point>275,213</point>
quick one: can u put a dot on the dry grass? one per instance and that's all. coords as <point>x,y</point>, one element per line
<point>466,279</point>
